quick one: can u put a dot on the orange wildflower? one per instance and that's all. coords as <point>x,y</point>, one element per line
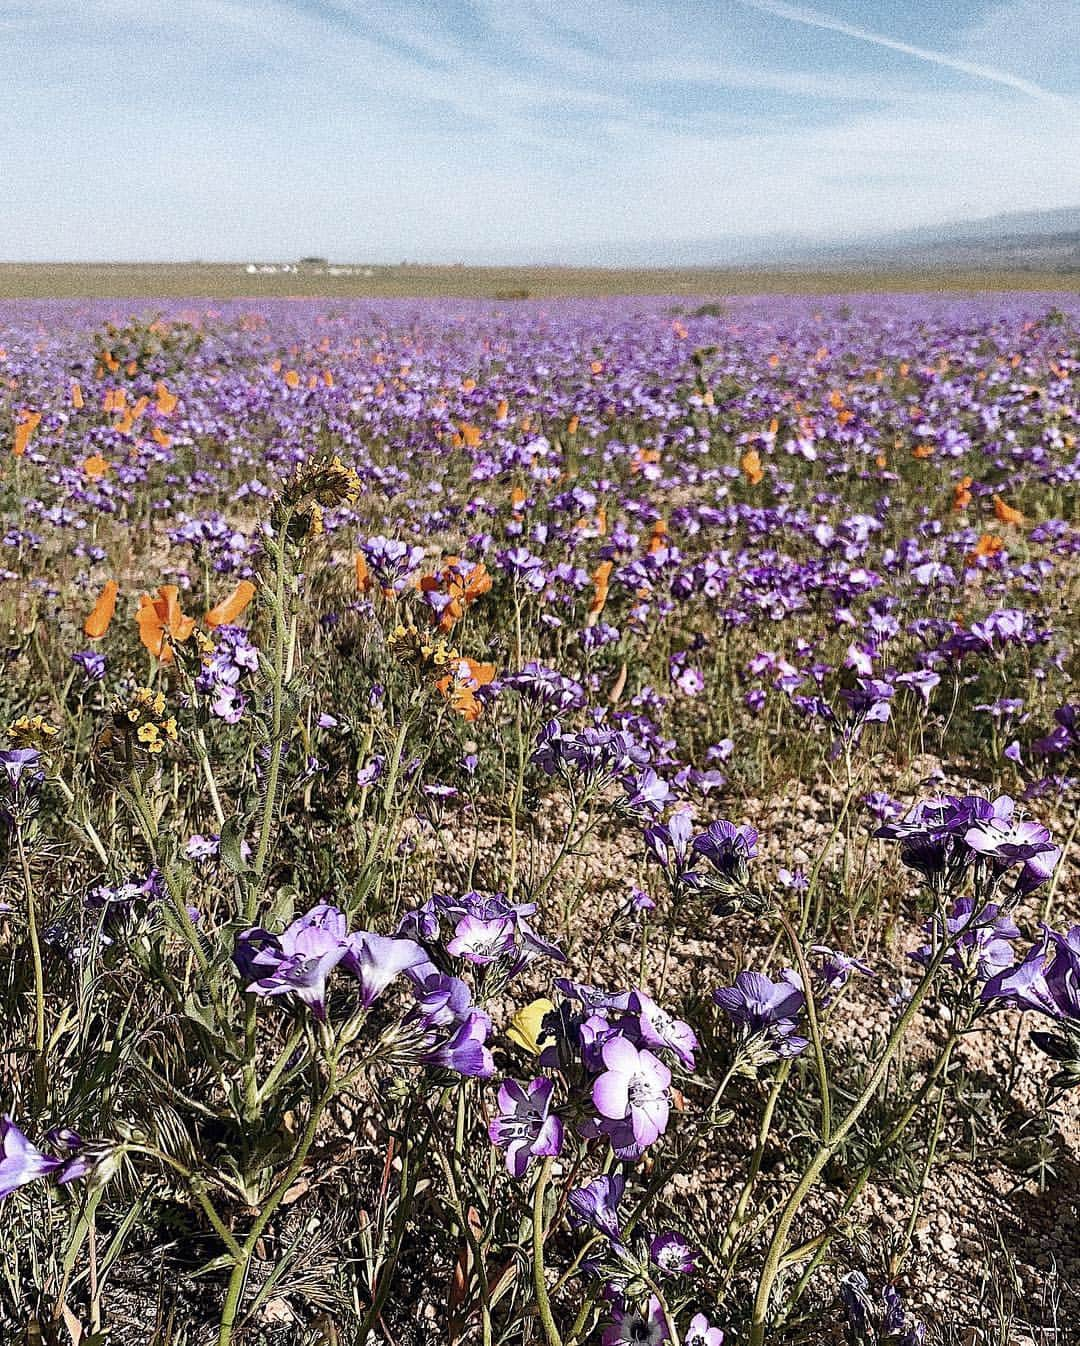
<point>1006,513</point>
<point>961,495</point>
<point>292,379</point>
<point>502,410</point>
<point>923,450</point>
<point>26,422</point>
<point>230,608</point>
<point>601,581</point>
<point>363,574</point>
<point>162,623</point>
<point>460,588</point>
<point>166,401</point>
<point>101,614</point>
<point>988,545</point>
<point>460,685</point>
<point>752,470</point>
<point>77,400</point>
<point>658,536</point>
<point>95,466</point>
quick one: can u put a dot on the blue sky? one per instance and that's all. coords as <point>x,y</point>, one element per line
<point>539,129</point>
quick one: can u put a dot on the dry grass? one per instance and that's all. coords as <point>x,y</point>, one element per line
<point>122,280</point>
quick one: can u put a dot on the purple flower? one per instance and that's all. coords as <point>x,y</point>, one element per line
<point>16,763</point>
<point>1047,981</point>
<point>658,1029</point>
<point>982,943</point>
<point>526,1125</point>
<point>646,791</point>
<point>671,845</point>
<point>370,772</point>
<point>632,1327</point>
<point>482,942</point>
<point>727,847</point>
<point>597,1204</point>
<point>464,1050</point>
<point>672,1253</point>
<point>20,1161</point>
<point>299,961</point>
<point>375,960</point>
<point>92,664</point>
<point>699,1333</point>
<point>763,1006</point>
<point>633,1089</point>
<point>1007,841</point>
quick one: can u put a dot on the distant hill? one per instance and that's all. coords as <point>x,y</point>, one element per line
<point>1030,240</point>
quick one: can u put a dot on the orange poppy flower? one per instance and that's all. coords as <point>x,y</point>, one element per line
<point>26,422</point>
<point>460,685</point>
<point>166,401</point>
<point>230,608</point>
<point>923,450</point>
<point>77,400</point>
<point>97,623</point>
<point>502,410</point>
<point>601,582</point>
<point>988,545</point>
<point>292,379</point>
<point>1006,513</point>
<point>961,496</point>
<point>461,589</point>
<point>162,623</point>
<point>752,470</point>
<point>95,466</point>
<point>658,537</point>
<point>572,425</point>
<point>363,574</point>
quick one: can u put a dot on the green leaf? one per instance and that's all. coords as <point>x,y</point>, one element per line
<point>231,844</point>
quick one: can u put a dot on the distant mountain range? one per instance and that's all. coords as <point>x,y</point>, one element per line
<point>1036,240</point>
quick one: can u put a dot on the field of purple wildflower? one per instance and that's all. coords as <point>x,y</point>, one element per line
<point>542,822</point>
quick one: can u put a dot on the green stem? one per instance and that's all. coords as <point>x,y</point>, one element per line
<point>543,1304</point>
<point>825,1152</point>
<point>815,1028</point>
<point>866,1172</point>
<point>40,1062</point>
<point>277,696</point>
<point>764,1129</point>
<point>235,1290</point>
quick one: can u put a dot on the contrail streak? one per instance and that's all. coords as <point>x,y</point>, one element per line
<point>813,18</point>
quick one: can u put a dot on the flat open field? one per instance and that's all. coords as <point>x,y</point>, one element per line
<point>550,821</point>
<point>182,281</point>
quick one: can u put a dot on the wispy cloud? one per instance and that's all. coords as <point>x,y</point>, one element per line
<point>443,129</point>
<point>813,18</point>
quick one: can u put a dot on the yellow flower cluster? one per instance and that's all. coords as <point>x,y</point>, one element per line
<point>154,729</point>
<point>411,646</point>
<point>31,731</point>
